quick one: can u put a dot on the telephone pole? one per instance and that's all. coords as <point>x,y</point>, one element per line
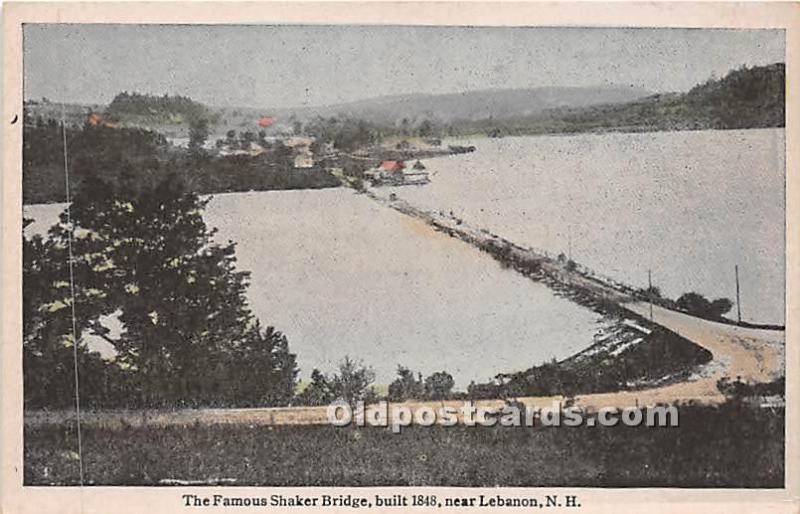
<point>738,296</point>
<point>650,292</point>
<point>569,242</point>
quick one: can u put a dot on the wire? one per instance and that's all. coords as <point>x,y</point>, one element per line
<point>70,233</point>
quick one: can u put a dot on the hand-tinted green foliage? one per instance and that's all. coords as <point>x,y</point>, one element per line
<point>345,133</point>
<point>146,254</point>
<point>48,351</point>
<point>351,382</point>
<point>92,150</point>
<point>744,98</point>
<point>123,156</point>
<point>406,386</point>
<point>158,108</point>
<point>437,386</point>
<point>273,170</point>
<point>317,392</point>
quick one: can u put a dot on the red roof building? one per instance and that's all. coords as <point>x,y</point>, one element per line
<point>392,166</point>
<point>94,119</point>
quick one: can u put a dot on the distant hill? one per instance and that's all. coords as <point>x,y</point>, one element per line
<point>470,105</point>
<point>153,109</point>
<point>744,98</point>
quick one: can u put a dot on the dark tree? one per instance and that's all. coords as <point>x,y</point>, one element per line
<point>439,386</point>
<point>198,134</point>
<point>405,386</point>
<point>318,392</point>
<point>143,252</point>
<point>698,305</point>
<point>351,381</point>
<point>425,129</point>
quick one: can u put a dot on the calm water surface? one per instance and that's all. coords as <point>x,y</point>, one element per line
<point>688,205</point>
<point>340,274</point>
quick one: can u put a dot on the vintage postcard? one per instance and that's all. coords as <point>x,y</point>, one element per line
<point>400,257</point>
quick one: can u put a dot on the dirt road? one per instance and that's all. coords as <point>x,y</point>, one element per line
<point>754,355</point>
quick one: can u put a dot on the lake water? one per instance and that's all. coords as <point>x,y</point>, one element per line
<point>687,205</point>
<point>341,274</point>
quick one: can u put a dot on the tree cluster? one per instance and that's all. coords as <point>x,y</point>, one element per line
<point>127,156</point>
<point>437,386</point>
<point>145,257</point>
<point>167,107</point>
<point>351,383</point>
<point>346,134</point>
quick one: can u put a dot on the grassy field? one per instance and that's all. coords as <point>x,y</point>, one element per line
<point>728,446</point>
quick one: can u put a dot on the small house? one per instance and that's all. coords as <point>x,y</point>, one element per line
<point>392,166</point>
<point>395,173</point>
<point>304,160</point>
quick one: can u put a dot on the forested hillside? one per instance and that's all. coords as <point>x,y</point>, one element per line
<point>166,109</point>
<point>744,98</point>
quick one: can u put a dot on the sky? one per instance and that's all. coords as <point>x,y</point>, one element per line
<point>293,66</point>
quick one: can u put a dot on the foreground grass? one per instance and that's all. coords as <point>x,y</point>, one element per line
<point>728,446</point>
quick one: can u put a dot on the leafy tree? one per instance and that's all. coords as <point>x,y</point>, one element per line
<point>345,133</point>
<point>425,128</point>
<point>143,250</point>
<point>264,371</point>
<point>652,292</point>
<point>721,306</point>
<point>351,381</point>
<point>247,137</point>
<point>318,392</point>
<point>439,385</point>
<point>405,386</point>
<point>198,134</point>
<point>164,107</point>
<point>698,305</point>
<point>48,347</point>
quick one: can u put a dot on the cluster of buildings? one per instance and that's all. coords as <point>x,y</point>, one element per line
<point>396,173</point>
<point>300,146</point>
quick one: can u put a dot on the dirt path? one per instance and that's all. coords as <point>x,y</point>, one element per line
<point>754,355</point>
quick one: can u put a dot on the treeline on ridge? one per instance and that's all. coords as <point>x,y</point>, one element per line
<point>166,108</point>
<point>744,98</point>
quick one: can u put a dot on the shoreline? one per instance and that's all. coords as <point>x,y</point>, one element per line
<point>753,355</point>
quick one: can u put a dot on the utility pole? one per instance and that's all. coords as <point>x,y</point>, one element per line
<point>650,292</point>
<point>738,297</point>
<point>569,242</point>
